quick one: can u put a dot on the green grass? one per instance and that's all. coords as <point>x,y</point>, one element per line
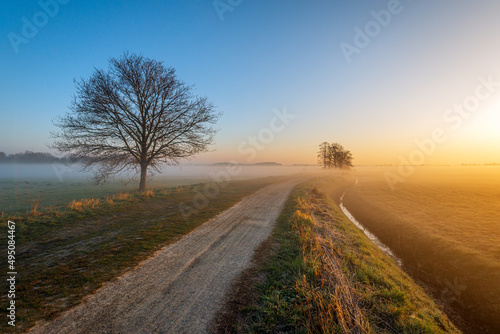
<point>64,254</point>
<point>18,195</point>
<point>325,276</point>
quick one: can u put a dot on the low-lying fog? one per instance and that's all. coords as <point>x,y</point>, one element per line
<point>23,185</point>
<point>60,172</point>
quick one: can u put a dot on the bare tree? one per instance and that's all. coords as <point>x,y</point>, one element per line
<point>324,155</point>
<point>344,160</point>
<point>335,152</point>
<point>334,156</point>
<point>134,116</point>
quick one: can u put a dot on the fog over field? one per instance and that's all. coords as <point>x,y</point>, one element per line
<point>61,172</point>
<point>58,183</point>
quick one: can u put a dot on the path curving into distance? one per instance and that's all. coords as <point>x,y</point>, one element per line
<point>181,287</point>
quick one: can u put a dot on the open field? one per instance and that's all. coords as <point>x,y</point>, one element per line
<point>444,223</point>
<point>64,254</point>
<point>25,185</point>
<point>318,273</point>
<point>22,196</point>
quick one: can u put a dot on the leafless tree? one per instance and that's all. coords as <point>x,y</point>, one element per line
<point>134,116</point>
<point>334,156</point>
<point>324,155</point>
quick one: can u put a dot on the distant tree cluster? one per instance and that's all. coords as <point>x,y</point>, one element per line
<point>31,157</point>
<point>334,155</point>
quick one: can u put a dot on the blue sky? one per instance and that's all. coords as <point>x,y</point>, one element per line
<point>267,55</point>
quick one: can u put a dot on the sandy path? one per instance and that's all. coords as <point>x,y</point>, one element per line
<point>181,287</point>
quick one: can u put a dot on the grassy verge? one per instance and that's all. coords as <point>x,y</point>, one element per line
<point>65,253</point>
<point>320,274</point>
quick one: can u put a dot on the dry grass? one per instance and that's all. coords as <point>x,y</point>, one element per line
<point>148,194</point>
<point>93,203</point>
<point>84,204</point>
<point>121,197</point>
<point>445,225</point>
<point>35,207</point>
<point>337,303</point>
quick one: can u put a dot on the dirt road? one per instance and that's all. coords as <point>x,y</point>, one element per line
<point>181,287</point>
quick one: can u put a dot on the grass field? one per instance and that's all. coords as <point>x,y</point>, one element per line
<point>64,253</point>
<point>24,186</point>
<point>27,185</point>
<point>444,222</point>
<point>320,274</point>
<point>22,196</point>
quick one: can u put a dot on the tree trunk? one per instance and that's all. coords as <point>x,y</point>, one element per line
<point>142,184</point>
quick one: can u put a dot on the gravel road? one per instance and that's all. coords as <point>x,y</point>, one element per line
<point>181,287</point>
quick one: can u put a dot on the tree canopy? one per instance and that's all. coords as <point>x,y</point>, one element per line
<point>334,155</point>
